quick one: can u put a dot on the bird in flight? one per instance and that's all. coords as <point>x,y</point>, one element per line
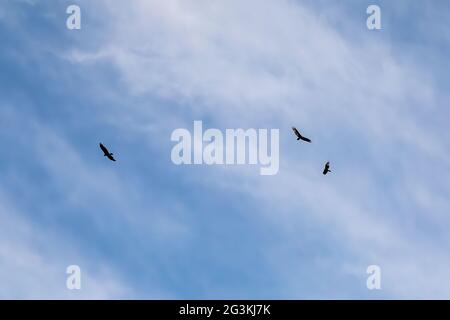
<point>299,136</point>
<point>106,152</point>
<point>327,168</point>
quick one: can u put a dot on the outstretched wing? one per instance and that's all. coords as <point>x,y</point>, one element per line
<point>305,139</point>
<point>104,149</point>
<point>327,167</point>
<point>299,136</point>
<point>110,157</point>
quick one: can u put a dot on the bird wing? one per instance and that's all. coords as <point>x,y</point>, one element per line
<point>296,132</point>
<point>104,148</point>
<point>305,139</point>
<point>110,157</point>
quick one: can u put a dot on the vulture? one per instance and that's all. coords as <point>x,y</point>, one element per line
<point>299,136</point>
<point>327,168</point>
<point>106,152</point>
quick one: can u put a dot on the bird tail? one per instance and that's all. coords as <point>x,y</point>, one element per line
<point>298,138</point>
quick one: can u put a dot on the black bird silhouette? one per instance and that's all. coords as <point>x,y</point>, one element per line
<point>299,136</point>
<point>327,168</point>
<point>106,152</point>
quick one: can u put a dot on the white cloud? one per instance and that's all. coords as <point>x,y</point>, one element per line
<point>250,62</point>
<point>273,63</point>
<point>34,261</point>
<point>37,246</point>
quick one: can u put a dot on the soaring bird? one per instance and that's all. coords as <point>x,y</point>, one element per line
<point>106,152</point>
<point>327,168</point>
<point>299,136</point>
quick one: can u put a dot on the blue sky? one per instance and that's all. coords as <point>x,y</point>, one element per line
<point>375,104</point>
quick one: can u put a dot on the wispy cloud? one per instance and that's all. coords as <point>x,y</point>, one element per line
<point>369,107</point>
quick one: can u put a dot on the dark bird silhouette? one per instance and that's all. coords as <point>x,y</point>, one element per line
<point>106,152</point>
<point>299,136</point>
<point>327,168</point>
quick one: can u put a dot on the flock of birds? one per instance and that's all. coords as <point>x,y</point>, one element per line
<point>300,137</point>
<point>297,133</point>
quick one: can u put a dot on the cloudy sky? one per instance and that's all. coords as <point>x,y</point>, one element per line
<point>375,104</point>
